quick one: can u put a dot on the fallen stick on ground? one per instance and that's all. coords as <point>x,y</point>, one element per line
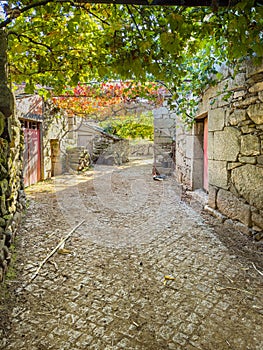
<point>233,288</point>
<point>261,273</point>
<point>54,250</point>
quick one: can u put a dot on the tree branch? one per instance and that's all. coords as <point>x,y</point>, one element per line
<point>184,3</point>
<point>134,21</point>
<point>73,130</point>
<point>93,14</point>
<point>30,40</point>
<point>26,8</point>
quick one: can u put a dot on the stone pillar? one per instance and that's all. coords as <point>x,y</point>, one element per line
<point>12,199</point>
<point>164,139</point>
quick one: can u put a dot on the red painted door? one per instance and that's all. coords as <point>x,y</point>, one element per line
<point>205,179</point>
<point>32,163</point>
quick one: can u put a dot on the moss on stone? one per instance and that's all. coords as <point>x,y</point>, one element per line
<point>2,123</point>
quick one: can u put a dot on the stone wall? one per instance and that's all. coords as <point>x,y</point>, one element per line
<point>12,199</point>
<point>105,150</point>
<point>235,131</point>
<point>110,150</point>
<point>102,147</point>
<point>184,153</point>
<point>141,148</point>
<point>164,139</point>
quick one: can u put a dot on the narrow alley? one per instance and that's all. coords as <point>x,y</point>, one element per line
<point>142,271</point>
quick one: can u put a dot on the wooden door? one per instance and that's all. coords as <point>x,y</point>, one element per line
<point>32,156</point>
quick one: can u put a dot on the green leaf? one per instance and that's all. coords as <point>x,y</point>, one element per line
<point>29,88</point>
<point>74,79</point>
<point>61,43</point>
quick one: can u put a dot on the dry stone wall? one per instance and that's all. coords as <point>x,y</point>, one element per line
<point>141,148</point>
<point>12,199</point>
<point>110,150</point>
<point>101,148</point>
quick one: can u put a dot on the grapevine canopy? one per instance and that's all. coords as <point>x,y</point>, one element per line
<point>61,43</point>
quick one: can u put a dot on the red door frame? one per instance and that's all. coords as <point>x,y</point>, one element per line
<point>205,146</point>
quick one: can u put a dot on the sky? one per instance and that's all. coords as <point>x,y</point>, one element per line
<point>2,14</point>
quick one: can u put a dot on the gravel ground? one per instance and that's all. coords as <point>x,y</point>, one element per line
<point>143,271</point>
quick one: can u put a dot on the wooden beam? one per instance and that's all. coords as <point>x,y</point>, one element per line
<point>185,3</point>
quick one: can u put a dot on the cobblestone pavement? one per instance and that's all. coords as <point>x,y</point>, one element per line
<point>109,292</point>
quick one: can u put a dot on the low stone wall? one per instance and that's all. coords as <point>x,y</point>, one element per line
<point>141,148</point>
<point>110,150</point>
<point>105,150</point>
<point>12,199</point>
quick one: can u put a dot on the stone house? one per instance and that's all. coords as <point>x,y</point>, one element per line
<point>54,141</point>
<point>47,134</point>
<point>221,158</point>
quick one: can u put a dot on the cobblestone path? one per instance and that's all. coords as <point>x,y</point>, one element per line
<point>109,292</point>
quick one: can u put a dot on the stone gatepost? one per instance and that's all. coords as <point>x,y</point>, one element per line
<point>12,200</point>
<point>164,139</point>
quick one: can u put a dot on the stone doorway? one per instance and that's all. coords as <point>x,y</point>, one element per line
<point>200,154</point>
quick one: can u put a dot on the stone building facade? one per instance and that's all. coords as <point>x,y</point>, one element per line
<point>48,132</point>
<point>221,158</point>
<point>62,139</point>
<point>235,147</point>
